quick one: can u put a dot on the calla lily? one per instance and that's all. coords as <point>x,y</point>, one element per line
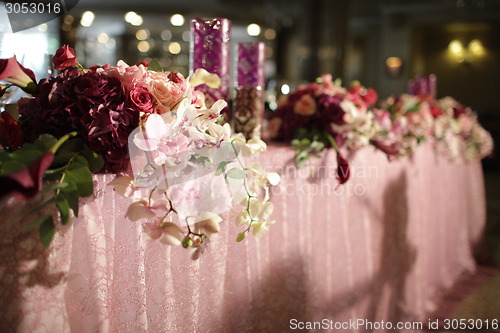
<point>202,76</point>
<point>343,171</point>
<point>27,182</point>
<point>12,71</point>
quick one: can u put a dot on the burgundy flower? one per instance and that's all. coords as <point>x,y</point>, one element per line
<point>26,183</point>
<point>343,171</point>
<point>11,135</point>
<point>459,110</point>
<point>64,58</point>
<point>93,104</point>
<point>330,110</point>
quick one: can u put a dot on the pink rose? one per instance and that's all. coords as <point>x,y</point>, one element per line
<point>305,106</point>
<point>64,58</point>
<point>141,98</point>
<point>12,71</point>
<point>167,89</point>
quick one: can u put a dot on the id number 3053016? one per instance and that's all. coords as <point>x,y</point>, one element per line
<point>33,7</point>
<point>476,324</point>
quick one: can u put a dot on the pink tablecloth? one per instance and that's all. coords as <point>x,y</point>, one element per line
<point>382,247</point>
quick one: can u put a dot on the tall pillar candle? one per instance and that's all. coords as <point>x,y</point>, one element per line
<point>211,50</point>
<point>248,106</point>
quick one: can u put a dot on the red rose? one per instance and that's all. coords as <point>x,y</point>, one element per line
<point>64,58</point>
<point>436,111</point>
<point>11,136</point>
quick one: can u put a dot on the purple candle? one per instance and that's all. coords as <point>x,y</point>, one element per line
<point>211,50</point>
<point>249,95</point>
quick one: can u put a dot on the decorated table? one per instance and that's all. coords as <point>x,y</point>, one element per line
<point>384,248</point>
<point>129,199</point>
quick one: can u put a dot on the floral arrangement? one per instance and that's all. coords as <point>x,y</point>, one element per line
<point>125,119</point>
<point>325,114</point>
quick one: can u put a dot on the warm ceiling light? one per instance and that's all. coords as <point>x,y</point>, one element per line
<point>137,21</point>
<point>270,34</point>
<point>177,20</point>
<point>87,19</point>
<point>455,46</point>
<point>130,17</point>
<point>143,46</point>
<point>476,47</point>
<point>285,89</point>
<point>393,62</point>
<point>253,29</point>
<point>103,38</point>
<point>142,34</point>
<point>174,48</point>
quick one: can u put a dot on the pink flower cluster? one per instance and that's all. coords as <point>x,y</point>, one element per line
<point>318,105</point>
<point>404,121</point>
<point>103,104</point>
<point>395,126</point>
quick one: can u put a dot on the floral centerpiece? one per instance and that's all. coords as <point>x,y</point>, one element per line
<point>101,119</point>
<point>325,114</point>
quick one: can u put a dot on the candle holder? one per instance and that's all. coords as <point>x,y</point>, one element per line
<point>248,102</point>
<point>211,50</point>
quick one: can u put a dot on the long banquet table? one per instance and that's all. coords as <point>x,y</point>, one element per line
<point>384,246</point>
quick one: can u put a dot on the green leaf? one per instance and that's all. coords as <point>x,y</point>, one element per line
<point>73,200</point>
<point>47,231</point>
<point>154,65</point>
<point>240,237</point>
<point>63,207</point>
<point>44,142</point>
<point>79,174</point>
<point>54,187</point>
<point>95,161</point>
<point>26,155</point>
<point>35,224</point>
<point>236,173</point>
<point>221,168</point>
<point>11,167</point>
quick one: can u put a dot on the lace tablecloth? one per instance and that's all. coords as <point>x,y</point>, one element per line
<point>384,246</point>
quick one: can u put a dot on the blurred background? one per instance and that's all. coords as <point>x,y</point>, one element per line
<point>381,43</point>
